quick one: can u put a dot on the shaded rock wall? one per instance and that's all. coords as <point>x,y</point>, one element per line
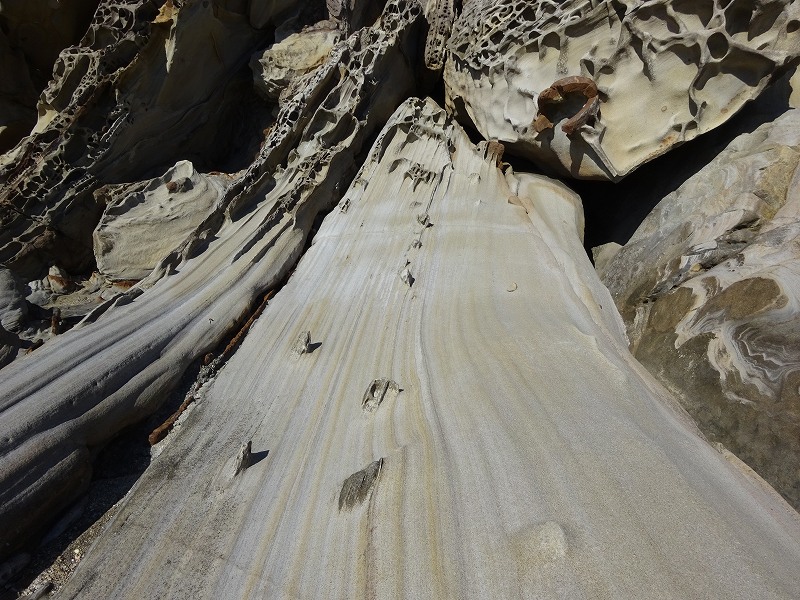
<point>710,295</point>
<point>78,391</point>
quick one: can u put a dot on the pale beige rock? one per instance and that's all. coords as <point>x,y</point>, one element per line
<point>664,72</point>
<point>710,291</point>
<point>298,54</point>
<point>495,473</point>
<point>604,255</point>
<point>118,365</point>
<point>143,223</point>
<point>794,82</point>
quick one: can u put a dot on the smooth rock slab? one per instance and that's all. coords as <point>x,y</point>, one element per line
<point>530,456</point>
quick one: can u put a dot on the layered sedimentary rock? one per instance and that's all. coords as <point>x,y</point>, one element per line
<point>74,393</point>
<point>475,464</point>
<point>143,222</point>
<point>710,291</point>
<point>439,399</point>
<point>595,89</point>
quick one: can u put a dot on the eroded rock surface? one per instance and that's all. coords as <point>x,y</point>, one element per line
<point>32,33</point>
<point>577,484</point>
<point>710,290</point>
<point>75,392</point>
<point>662,72</point>
<point>291,58</point>
<point>143,222</point>
<point>467,420</point>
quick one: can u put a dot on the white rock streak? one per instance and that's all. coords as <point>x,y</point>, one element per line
<point>527,454</point>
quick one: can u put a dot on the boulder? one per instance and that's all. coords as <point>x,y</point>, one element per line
<point>595,89</point>
<point>298,54</point>
<point>709,290</point>
<point>144,222</point>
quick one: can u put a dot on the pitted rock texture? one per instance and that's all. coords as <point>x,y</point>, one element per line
<point>144,222</point>
<point>123,104</point>
<point>665,72</point>
<point>710,291</point>
<point>32,33</point>
<point>167,219</point>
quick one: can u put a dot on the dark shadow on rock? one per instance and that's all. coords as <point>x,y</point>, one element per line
<point>614,211</point>
<point>116,469</point>
<point>257,457</point>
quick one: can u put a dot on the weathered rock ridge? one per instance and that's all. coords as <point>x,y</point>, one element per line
<point>478,442</point>
<point>410,378</point>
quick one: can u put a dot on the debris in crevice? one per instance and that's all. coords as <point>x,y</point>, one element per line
<point>377,392</point>
<point>358,486</point>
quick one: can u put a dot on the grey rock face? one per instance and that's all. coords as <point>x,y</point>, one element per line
<point>710,295</point>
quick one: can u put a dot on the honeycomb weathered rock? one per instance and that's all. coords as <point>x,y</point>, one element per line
<point>666,72</point>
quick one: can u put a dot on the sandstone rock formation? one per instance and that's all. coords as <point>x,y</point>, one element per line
<point>385,363</point>
<point>143,222</point>
<point>287,60</point>
<point>709,290</point>
<point>492,442</point>
<point>32,33</point>
<point>660,72</point>
<point>78,390</point>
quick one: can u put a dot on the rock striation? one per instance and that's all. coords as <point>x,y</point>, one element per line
<point>371,358</point>
<point>662,72</point>
<point>492,443</point>
<point>709,292</point>
<point>78,391</point>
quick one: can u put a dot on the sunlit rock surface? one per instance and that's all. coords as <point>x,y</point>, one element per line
<point>709,287</point>
<point>488,440</point>
<point>32,33</point>
<point>291,58</point>
<point>144,222</point>
<point>651,74</point>
<point>362,354</point>
<point>78,391</point>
